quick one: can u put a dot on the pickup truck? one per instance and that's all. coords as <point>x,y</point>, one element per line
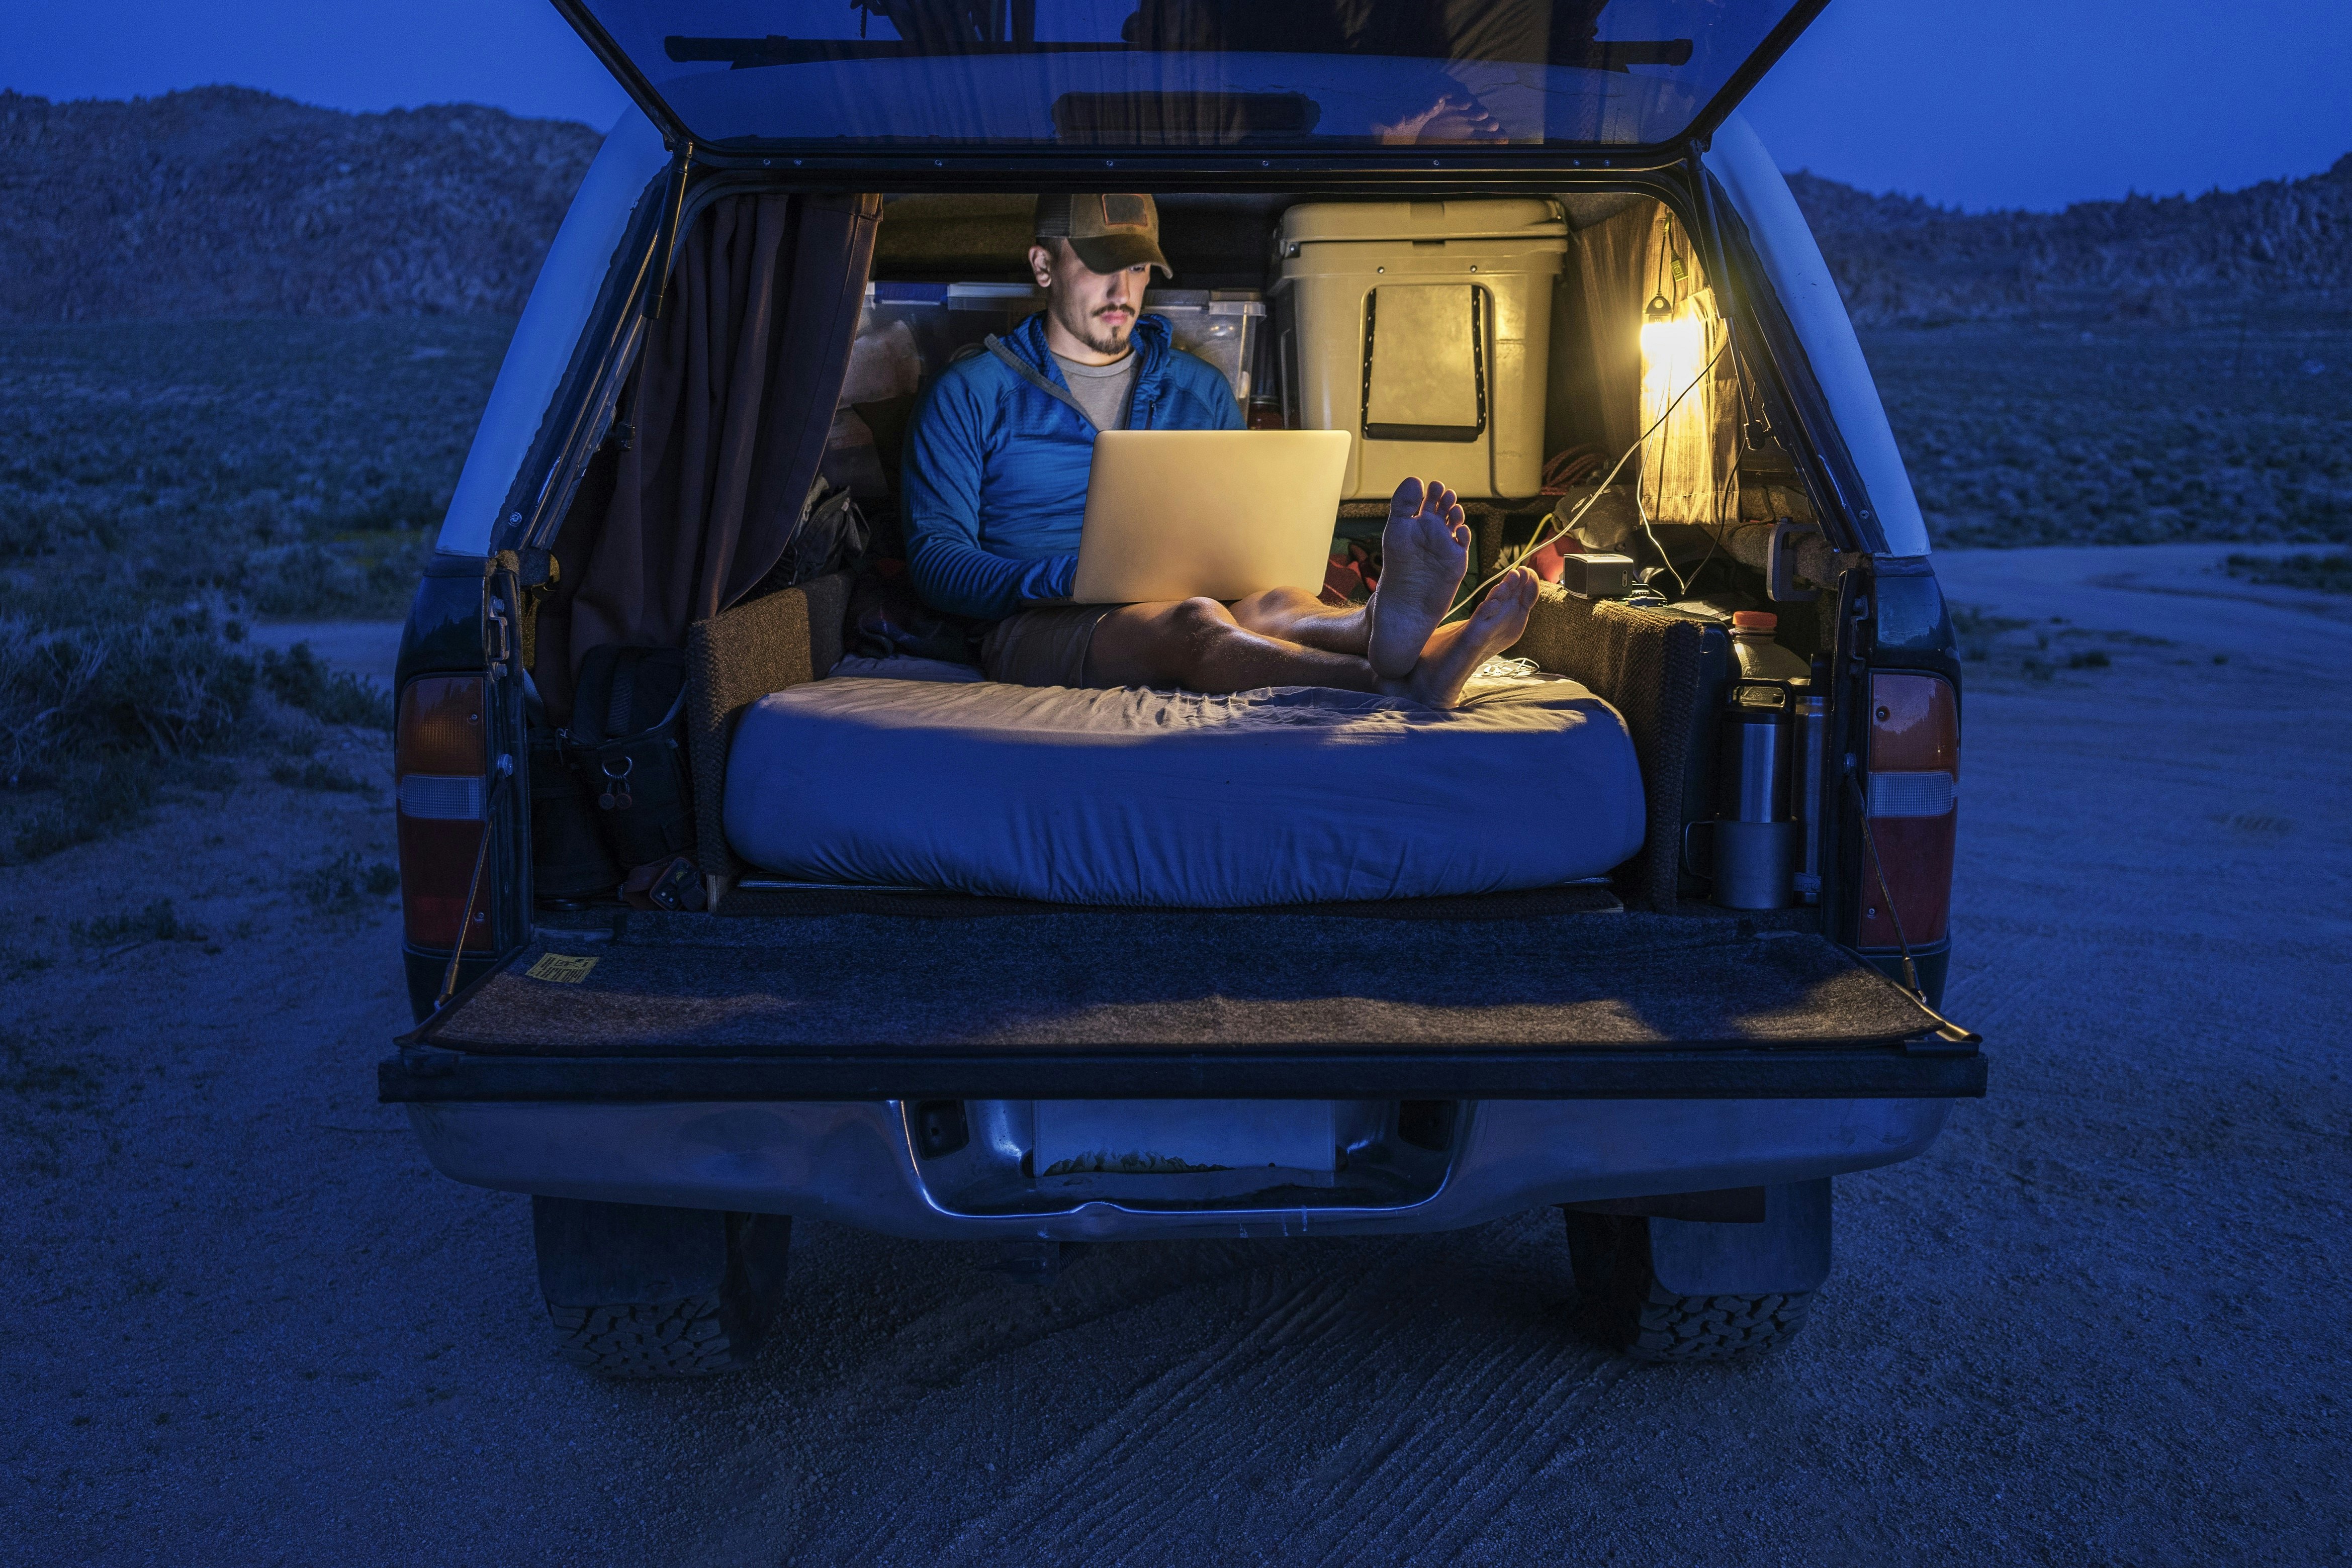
<point>677,1068</point>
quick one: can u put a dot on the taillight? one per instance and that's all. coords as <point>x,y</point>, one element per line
<point>1914,781</point>
<point>441,763</point>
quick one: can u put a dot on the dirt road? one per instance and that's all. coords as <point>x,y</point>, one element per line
<point>2102,1322</point>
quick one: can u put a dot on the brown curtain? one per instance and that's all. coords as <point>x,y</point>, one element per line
<point>1611,258</point>
<point>730,403</point>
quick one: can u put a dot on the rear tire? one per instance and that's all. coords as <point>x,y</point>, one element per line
<point>682,1332</point>
<point>1620,1304</point>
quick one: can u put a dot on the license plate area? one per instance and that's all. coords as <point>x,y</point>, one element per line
<point>1057,1156</point>
<point>1184,1137</point>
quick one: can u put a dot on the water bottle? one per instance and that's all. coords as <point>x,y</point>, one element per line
<point>1760,658</point>
<point>1756,830</point>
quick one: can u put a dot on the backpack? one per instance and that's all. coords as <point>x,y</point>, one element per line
<point>627,747</point>
<point>831,537</point>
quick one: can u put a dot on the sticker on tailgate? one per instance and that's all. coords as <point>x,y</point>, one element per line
<point>559,968</point>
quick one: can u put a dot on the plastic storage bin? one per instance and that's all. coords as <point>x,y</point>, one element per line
<point>1221,326</point>
<point>901,343</point>
<point>1425,328</point>
<point>905,321</point>
<point>974,310</point>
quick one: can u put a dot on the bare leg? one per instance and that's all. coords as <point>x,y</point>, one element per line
<point>1199,644</point>
<point>1293,615</point>
<point>1425,546</point>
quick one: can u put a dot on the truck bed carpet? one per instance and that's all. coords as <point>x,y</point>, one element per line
<point>1202,981</point>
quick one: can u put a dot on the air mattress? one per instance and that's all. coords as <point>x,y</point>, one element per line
<point>1173,800</point>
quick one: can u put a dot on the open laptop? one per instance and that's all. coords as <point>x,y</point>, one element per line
<point>1171,513</point>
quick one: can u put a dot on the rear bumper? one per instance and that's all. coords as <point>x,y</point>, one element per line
<point>426,1075</point>
<point>855,1162</point>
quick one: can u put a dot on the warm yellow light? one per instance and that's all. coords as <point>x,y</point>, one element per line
<point>1672,353</point>
<point>1678,456</point>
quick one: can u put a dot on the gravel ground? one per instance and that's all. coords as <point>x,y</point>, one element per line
<point>2101,1322</point>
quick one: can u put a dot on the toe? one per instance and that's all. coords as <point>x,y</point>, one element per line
<point>1407,501</point>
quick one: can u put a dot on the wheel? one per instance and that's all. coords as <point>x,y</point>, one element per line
<point>1620,1304</point>
<point>636,1291</point>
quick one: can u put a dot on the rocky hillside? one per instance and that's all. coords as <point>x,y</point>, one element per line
<point>229,202</point>
<point>1899,259</point>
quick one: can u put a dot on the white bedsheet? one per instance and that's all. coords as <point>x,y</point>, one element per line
<point>1286,795</point>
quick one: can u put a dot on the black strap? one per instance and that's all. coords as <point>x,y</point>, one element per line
<point>1028,373</point>
<point>619,718</point>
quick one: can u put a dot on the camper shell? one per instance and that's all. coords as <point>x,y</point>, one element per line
<point>673,1083</point>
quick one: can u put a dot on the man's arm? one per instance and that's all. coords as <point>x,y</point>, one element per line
<point>946,457</point>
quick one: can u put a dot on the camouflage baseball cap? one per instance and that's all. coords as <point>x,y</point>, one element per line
<point>1109,232</point>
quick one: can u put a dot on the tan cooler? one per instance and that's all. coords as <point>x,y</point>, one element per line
<point>1423,328</point>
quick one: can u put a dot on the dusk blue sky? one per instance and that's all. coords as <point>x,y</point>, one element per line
<point>2030,103</point>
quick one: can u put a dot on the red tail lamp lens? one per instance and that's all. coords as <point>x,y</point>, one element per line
<point>1913,793</point>
<point>441,760</point>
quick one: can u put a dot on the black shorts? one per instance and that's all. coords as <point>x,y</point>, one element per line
<point>1045,647</point>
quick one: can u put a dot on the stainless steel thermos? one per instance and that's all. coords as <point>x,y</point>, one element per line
<point>1755,838</point>
<point>1768,749</point>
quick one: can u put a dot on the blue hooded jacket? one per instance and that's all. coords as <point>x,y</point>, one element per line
<point>994,473</point>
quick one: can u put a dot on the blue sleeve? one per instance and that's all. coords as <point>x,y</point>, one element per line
<point>1208,393</point>
<point>1229,407</point>
<point>946,458</point>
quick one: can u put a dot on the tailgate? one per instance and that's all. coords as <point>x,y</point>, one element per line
<point>1145,1003</point>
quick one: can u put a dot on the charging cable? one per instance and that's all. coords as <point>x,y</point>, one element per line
<point>1559,529</point>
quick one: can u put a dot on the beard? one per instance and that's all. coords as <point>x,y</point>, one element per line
<point>1104,337</point>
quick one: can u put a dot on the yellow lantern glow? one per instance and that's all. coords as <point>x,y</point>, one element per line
<point>1678,456</point>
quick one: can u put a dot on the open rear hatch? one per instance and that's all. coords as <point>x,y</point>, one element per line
<point>1607,1004</point>
<point>941,78</point>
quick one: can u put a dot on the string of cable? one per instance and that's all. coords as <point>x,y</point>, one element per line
<point>1715,532</point>
<point>1559,529</point>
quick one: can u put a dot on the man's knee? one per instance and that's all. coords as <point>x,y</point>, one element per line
<point>1200,618</point>
<point>1196,629</point>
<point>1161,644</point>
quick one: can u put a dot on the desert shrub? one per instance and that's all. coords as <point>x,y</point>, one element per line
<point>318,775</point>
<point>346,883</point>
<point>99,717</point>
<point>2328,573</point>
<point>167,682</point>
<point>159,922</point>
<point>296,678</point>
<point>280,468</point>
<point>86,801</point>
<point>2022,436</point>
<point>300,466</point>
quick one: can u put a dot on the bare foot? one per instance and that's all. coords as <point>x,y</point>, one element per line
<point>1424,549</point>
<point>1453,655</point>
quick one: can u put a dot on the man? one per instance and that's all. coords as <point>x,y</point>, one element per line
<point>995,482</point>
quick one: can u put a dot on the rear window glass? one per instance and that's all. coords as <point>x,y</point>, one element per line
<point>1188,73</point>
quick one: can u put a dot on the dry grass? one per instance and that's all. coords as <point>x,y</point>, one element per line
<point>2032,435</point>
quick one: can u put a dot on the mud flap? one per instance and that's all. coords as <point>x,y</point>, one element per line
<point>1788,1252</point>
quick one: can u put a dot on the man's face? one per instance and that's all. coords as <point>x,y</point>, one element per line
<point>1097,308</point>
